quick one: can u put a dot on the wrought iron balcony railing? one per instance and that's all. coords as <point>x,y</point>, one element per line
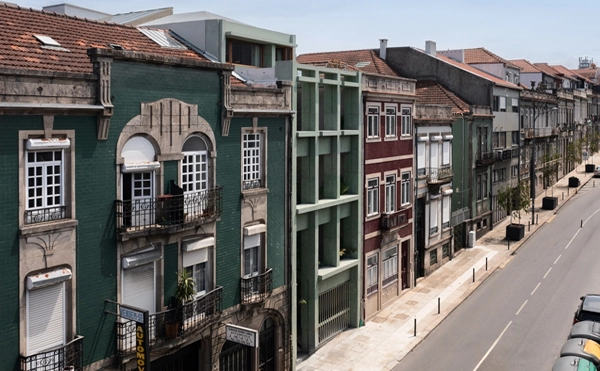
<point>484,158</point>
<point>178,322</point>
<point>256,289</point>
<point>433,231</point>
<point>168,211</point>
<point>393,220</point>
<point>439,175</point>
<point>67,357</point>
<point>45,215</point>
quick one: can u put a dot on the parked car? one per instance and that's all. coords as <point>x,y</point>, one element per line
<point>589,309</point>
<point>582,348</point>
<point>573,364</point>
<point>586,330</point>
<point>597,171</point>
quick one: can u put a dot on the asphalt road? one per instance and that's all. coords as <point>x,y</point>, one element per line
<point>520,317</point>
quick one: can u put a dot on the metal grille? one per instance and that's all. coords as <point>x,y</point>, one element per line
<point>68,357</point>
<point>334,311</point>
<point>235,357</point>
<point>257,288</point>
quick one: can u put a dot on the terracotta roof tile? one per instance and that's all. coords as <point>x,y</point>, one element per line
<point>525,65</point>
<point>478,72</point>
<point>570,73</point>
<point>482,55</point>
<point>21,50</point>
<point>361,60</point>
<point>590,73</point>
<point>547,69</point>
<point>431,92</point>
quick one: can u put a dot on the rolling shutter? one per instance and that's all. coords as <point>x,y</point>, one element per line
<point>433,214</point>
<point>139,287</point>
<point>45,318</point>
<point>421,155</point>
<point>445,153</point>
<point>434,162</point>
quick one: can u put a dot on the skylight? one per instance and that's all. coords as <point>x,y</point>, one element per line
<point>362,64</point>
<point>47,40</point>
<point>162,38</point>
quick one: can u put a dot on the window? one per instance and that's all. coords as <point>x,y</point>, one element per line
<point>390,266</point>
<point>406,121</point>
<point>390,193</point>
<point>283,53</point>
<point>196,260</point>
<point>508,76</point>
<point>252,247</point>
<point>516,135</point>
<point>502,139</point>
<point>446,153</point>
<point>433,216</point>
<point>242,52</point>
<point>515,104</point>
<point>372,274</point>
<point>194,175</point>
<point>373,196</point>
<point>421,161</point>
<point>481,186</point>
<point>252,161</point>
<point>45,186</point>
<point>433,255</point>
<point>405,189</point>
<point>46,312</point>
<point>502,104</point>
<point>445,250</point>
<point>514,170</point>
<point>390,121</point>
<point>499,175</point>
<point>373,122</point>
<point>517,79</point>
<point>446,212</point>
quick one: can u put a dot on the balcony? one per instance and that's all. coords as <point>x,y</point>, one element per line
<point>257,288</point>
<point>392,220</point>
<point>67,357</point>
<point>484,158</point>
<point>173,324</point>
<point>540,132</point>
<point>168,213</point>
<point>439,175</point>
<point>45,215</point>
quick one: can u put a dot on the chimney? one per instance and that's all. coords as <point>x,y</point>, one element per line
<point>382,48</point>
<point>430,48</point>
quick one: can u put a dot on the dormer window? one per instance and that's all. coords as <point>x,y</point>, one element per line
<point>47,40</point>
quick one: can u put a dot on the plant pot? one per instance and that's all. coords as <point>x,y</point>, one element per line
<point>574,181</point>
<point>171,329</point>
<point>515,232</point>
<point>549,203</point>
<point>589,168</point>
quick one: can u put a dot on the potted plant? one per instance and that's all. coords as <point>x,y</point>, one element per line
<point>184,292</point>
<point>514,200</point>
<point>549,171</point>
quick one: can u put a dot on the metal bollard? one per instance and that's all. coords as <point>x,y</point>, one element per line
<point>508,241</point>
<point>486,263</point>
<point>528,226</point>
<point>537,219</point>
<point>581,226</point>
<point>415,326</point>
<point>438,305</point>
<point>473,274</point>
<point>563,196</point>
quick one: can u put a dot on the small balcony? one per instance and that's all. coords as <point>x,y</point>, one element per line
<point>257,288</point>
<point>45,215</point>
<point>484,158</point>
<point>437,175</point>
<point>168,213</point>
<point>173,324</point>
<point>393,220</point>
<point>67,357</point>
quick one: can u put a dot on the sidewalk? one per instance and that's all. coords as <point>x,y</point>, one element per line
<point>388,337</point>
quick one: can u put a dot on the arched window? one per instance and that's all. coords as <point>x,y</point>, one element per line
<point>194,166</point>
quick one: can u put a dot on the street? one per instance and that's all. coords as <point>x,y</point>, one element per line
<point>521,315</point>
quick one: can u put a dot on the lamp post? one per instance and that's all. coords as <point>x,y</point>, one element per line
<point>532,165</point>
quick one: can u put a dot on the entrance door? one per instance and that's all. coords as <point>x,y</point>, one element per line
<point>420,239</point>
<point>266,350</point>
<point>404,264</point>
<point>235,357</point>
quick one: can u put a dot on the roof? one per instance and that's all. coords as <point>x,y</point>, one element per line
<point>361,60</point>
<point>590,73</point>
<point>139,17</point>
<point>569,73</point>
<point>431,92</point>
<point>484,56</point>
<point>189,17</point>
<point>20,49</point>
<point>525,66</point>
<point>478,72</point>
<point>545,68</point>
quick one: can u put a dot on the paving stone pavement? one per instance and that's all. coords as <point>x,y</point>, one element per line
<point>384,340</point>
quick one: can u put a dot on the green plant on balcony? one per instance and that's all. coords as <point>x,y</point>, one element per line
<point>184,293</point>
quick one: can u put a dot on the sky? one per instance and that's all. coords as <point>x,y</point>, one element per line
<point>550,33</point>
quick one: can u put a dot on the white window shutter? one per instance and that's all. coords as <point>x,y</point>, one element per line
<point>446,153</point>
<point>433,213</point>
<point>446,209</point>
<point>139,287</point>
<point>434,162</point>
<point>421,155</point>
<point>45,318</point>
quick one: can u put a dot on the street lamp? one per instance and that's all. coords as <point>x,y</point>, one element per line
<point>532,166</point>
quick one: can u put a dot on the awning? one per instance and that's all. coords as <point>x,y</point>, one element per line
<point>254,229</point>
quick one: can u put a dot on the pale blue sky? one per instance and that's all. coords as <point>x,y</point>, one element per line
<point>552,31</point>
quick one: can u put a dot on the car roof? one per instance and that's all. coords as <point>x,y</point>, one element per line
<point>591,303</point>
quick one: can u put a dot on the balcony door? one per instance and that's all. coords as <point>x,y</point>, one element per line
<point>194,175</point>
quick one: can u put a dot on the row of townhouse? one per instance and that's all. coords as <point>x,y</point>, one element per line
<point>302,194</point>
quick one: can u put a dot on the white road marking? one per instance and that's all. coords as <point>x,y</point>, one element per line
<point>538,285</point>
<point>519,311</point>
<point>548,272</point>
<point>557,259</point>
<point>492,347</point>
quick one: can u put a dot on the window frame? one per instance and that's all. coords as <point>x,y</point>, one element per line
<point>373,122</point>
<point>406,121</point>
<point>253,178</point>
<point>389,274</point>
<point>372,274</point>
<point>391,121</point>
<point>390,193</point>
<point>44,185</point>
<point>433,253</point>
<point>405,179</point>
<point>372,197</point>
